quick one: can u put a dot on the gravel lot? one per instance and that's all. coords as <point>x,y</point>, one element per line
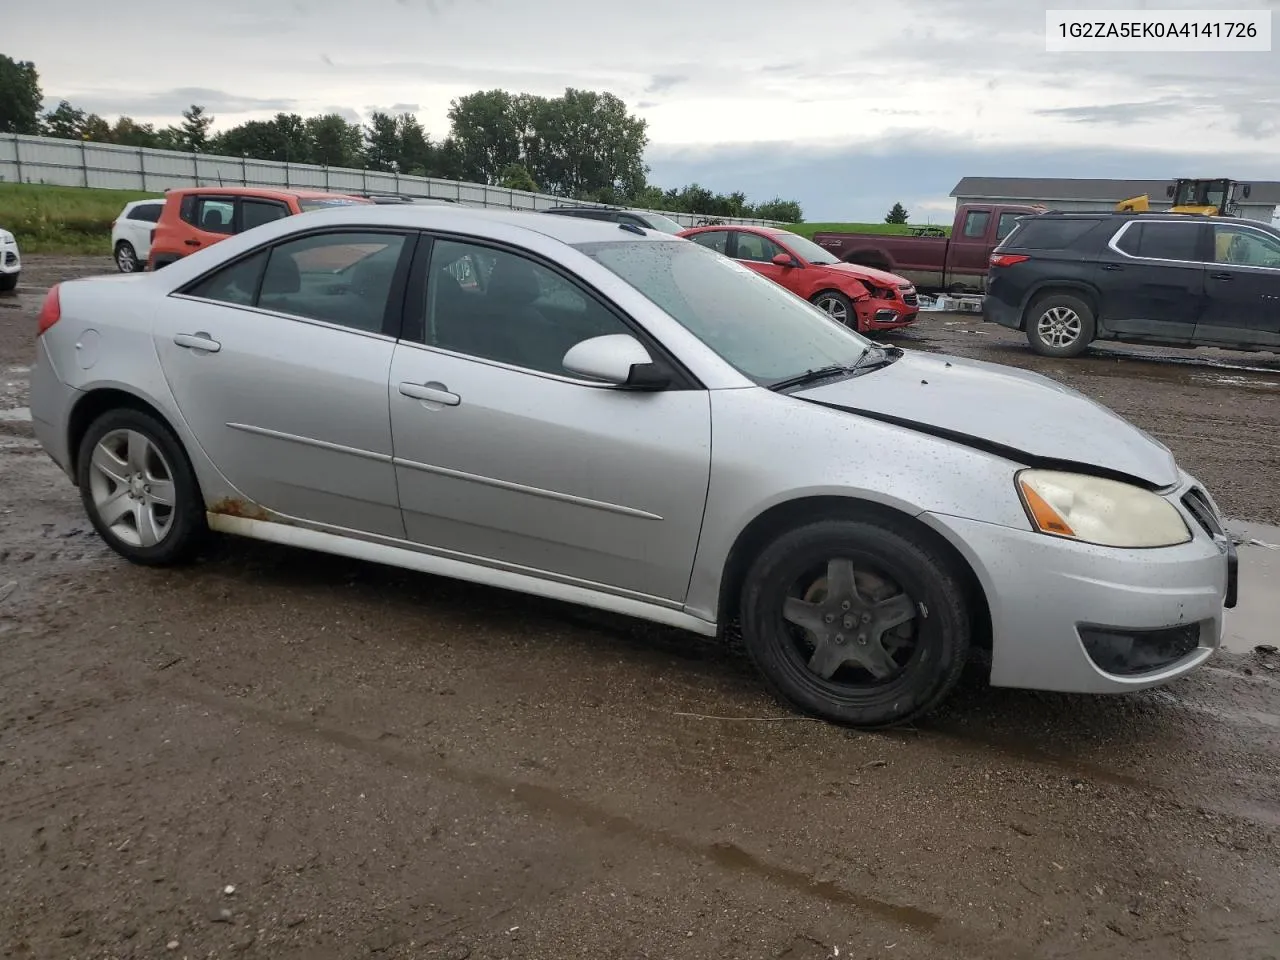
<point>278,754</point>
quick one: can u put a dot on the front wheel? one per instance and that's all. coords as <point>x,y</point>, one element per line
<point>1060,325</point>
<point>8,282</point>
<point>127,258</point>
<point>837,306</point>
<point>856,622</point>
<point>139,490</point>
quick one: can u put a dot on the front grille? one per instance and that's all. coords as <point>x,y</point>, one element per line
<point>911,299</point>
<point>1198,506</point>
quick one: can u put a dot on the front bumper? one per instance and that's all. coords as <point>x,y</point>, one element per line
<point>876,314</point>
<point>1076,618</point>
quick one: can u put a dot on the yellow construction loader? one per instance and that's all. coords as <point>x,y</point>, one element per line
<point>1218,197</point>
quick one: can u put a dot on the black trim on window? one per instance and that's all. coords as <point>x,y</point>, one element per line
<point>414,324</point>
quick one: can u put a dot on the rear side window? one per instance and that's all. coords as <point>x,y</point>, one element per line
<point>1161,241</point>
<point>214,214</point>
<point>146,212</point>
<point>254,213</point>
<point>1007,222</point>
<point>1052,234</point>
<point>717,240</point>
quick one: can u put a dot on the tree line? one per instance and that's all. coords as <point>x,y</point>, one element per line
<point>583,144</point>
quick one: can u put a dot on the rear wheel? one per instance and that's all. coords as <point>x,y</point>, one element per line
<point>837,306</point>
<point>139,490</point>
<point>856,622</point>
<point>8,282</point>
<point>1060,325</point>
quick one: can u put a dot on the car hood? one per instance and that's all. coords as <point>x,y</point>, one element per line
<point>1013,413</point>
<point>880,278</point>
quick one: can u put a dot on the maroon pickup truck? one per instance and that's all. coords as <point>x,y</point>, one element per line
<point>955,264</point>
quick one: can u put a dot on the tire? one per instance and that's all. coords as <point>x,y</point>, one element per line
<point>917,676</point>
<point>127,258</point>
<point>9,282</point>
<point>837,306</point>
<point>178,530</point>
<point>1060,325</point>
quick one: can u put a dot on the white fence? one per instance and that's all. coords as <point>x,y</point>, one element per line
<point>77,163</point>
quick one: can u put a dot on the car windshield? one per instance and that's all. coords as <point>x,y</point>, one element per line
<point>665,224</point>
<point>807,249</point>
<point>761,329</point>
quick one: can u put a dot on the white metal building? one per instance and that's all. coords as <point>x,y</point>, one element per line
<point>1072,194</point>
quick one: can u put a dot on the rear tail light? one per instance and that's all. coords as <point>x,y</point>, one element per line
<point>1007,259</point>
<point>50,311</point>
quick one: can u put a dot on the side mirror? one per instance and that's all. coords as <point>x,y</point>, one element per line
<point>782,260</point>
<point>619,359</point>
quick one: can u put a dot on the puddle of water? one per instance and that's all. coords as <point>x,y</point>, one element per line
<point>20,415</point>
<point>1256,617</point>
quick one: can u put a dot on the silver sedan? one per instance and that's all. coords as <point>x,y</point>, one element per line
<point>623,419</point>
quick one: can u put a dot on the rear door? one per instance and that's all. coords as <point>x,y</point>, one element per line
<point>209,218</point>
<point>1151,279</point>
<point>1242,287</point>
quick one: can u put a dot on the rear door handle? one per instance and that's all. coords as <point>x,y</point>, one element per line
<point>431,392</point>
<point>1222,276</point>
<point>192,243</point>
<point>1112,266</point>
<point>198,341</point>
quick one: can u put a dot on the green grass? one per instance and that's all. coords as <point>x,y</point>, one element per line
<point>807,230</point>
<point>49,219</point>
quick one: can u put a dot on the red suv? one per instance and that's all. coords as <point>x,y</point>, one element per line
<point>860,297</point>
<point>195,217</point>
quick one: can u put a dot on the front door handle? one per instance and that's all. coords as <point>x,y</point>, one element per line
<point>198,341</point>
<point>1112,266</point>
<point>1222,276</point>
<point>431,392</point>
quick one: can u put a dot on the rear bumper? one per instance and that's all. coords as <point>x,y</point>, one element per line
<point>51,405</point>
<point>997,311</point>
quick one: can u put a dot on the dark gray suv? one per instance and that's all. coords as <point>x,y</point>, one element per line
<point>1066,279</point>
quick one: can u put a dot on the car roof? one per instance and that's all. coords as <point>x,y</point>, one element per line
<point>568,230</point>
<point>273,193</point>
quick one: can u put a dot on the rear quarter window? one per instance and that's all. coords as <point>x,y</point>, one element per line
<point>1049,234</point>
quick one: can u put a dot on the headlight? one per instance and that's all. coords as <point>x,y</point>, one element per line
<point>1093,510</point>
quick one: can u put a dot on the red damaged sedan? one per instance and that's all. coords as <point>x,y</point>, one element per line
<point>875,300</point>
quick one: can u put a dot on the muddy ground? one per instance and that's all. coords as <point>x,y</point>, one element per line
<point>281,755</point>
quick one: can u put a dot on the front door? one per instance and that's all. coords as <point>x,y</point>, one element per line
<point>1152,279</point>
<point>757,252</point>
<point>503,456</point>
<point>279,364</point>
<point>1242,288</point>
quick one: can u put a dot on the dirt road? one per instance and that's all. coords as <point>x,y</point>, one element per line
<point>281,755</point>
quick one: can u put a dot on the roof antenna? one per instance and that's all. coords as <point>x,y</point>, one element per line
<point>632,227</point>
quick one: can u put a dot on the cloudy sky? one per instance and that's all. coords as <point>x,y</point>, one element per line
<point>845,106</point>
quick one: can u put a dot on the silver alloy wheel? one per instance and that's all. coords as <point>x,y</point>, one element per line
<point>1059,327</point>
<point>126,259</point>
<point>132,488</point>
<point>834,309</point>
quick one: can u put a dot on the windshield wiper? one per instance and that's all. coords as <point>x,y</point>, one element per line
<point>811,376</point>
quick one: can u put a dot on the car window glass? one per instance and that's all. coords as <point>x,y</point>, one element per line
<point>753,247</point>
<point>146,212</point>
<point>342,278</point>
<point>187,211</point>
<point>1168,241</point>
<point>1049,234</point>
<point>254,213</point>
<point>1007,222</point>
<point>717,240</point>
<point>214,215</point>
<point>497,305</point>
<point>975,223</point>
<point>1245,247</point>
<point>237,283</point>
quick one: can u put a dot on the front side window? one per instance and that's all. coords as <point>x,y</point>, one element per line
<point>758,249</point>
<point>1244,247</point>
<point>755,325</point>
<point>496,305</point>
